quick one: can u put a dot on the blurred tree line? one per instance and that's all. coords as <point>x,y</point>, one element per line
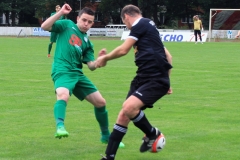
<point>163,12</point>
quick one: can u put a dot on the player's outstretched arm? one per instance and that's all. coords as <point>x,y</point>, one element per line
<point>169,58</point>
<point>102,52</point>
<point>119,51</point>
<point>47,25</point>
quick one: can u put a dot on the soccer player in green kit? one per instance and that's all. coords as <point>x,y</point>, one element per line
<point>53,36</point>
<point>72,49</point>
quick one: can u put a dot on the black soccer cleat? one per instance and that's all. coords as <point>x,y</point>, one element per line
<point>106,157</point>
<point>148,141</point>
<point>103,157</point>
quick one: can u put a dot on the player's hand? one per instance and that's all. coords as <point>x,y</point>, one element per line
<point>170,91</point>
<point>66,9</point>
<point>202,29</point>
<point>194,18</point>
<point>236,36</point>
<point>102,52</point>
<point>101,61</point>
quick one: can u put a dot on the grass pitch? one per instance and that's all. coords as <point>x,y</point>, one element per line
<point>200,120</point>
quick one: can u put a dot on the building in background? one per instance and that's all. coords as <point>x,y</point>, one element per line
<point>2,19</point>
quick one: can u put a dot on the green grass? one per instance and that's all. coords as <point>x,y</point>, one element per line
<point>200,119</point>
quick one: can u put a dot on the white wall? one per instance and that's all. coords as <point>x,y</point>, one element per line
<point>14,31</point>
<point>37,31</point>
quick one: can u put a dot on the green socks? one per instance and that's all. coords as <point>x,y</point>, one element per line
<point>60,112</point>
<point>101,115</point>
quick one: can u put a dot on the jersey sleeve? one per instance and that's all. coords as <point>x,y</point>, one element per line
<point>53,13</point>
<point>137,31</point>
<point>59,26</point>
<point>88,55</point>
<point>63,17</point>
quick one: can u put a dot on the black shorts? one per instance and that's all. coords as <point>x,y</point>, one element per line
<point>149,90</point>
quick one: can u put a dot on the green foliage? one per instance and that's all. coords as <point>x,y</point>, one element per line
<point>46,7</point>
<point>110,9</point>
<point>4,5</point>
<point>200,119</point>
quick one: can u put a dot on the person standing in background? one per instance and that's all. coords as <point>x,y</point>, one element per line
<point>197,28</point>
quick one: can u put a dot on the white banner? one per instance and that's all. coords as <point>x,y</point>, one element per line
<point>174,36</point>
<point>108,32</point>
<point>38,31</point>
<point>96,32</point>
<point>111,32</point>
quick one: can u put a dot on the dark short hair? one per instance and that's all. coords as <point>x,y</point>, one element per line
<point>130,10</point>
<point>86,10</point>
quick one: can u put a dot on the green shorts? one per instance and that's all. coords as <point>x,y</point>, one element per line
<point>53,37</point>
<point>77,84</point>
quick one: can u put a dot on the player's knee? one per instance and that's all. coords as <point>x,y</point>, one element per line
<point>64,97</point>
<point>122,119</point>
<point>62,94</point>
<point>128,110</point>
<point>100,102</point>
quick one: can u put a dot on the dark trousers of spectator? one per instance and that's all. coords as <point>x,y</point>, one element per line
<point>197,32</point>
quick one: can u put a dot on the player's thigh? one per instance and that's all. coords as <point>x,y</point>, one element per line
<point>67,80</point>
<point>152,91</point>
<point>131,106</point>
<point>83,87</point>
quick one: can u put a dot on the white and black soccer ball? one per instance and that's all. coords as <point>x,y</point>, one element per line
<point>159,144</point>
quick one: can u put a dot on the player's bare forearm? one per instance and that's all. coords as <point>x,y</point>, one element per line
<point>102,59</point>
<point>169,59</point>
<point>168,56</point>
<point>47,25</point>
<point>121,50</point>
<point>116,53</point>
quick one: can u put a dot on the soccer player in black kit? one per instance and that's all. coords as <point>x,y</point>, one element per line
<point>150,83</point>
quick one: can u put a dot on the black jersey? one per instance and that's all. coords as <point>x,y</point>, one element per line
<point>150,57</point>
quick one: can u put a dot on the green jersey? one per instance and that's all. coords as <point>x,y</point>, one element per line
<point>53,36</point>
<point>72,48</point>
<point>62,17</point>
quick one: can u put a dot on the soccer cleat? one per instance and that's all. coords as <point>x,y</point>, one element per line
<point>103,157</point>
<point>202,42</point>
<point>61,132</point>
<point>104,138</point>
<point>121,145</point>
<point>195,42</point>
<point>107,157</point>
<point>148,141</point>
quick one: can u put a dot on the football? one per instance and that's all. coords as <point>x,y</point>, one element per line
<point>159,144</point>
